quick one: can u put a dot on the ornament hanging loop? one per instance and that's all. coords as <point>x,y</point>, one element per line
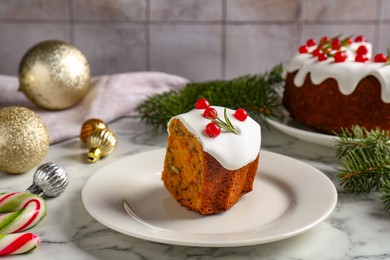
<point>94,154</point>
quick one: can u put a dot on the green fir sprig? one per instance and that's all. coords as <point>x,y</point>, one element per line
<point>386,196</point>
<point>257,94</point>
<point>365,158</point>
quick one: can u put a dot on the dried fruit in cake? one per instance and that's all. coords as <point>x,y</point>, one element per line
<point>211,162</point>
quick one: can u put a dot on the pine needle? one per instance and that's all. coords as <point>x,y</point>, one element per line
<point>365,157</point>
<point>256,94</point>
<point>386,196</point>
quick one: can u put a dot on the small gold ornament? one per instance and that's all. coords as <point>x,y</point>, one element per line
<point>54,75</point>
<point>101,143</point>
<point>24,139</point>
<point>89,126</point>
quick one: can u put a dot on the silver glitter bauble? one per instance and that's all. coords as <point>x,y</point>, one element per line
<point>49,180</point>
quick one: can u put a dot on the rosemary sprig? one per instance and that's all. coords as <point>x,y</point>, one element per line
<point>257,94</point>
<point>365,157</point>
<point>227,125</point>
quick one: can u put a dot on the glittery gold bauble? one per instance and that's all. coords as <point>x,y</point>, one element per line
<point>24,139</point>
<point>54,75</point>
<point>101,143</point>
<point>89,126</point>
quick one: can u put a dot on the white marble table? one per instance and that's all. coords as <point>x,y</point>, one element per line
<point>358,228</point>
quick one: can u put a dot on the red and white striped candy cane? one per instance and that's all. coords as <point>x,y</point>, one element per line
<point>19,243</point>
<point>22,211</point>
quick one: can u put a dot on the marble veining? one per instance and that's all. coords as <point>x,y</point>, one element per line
<point>358,228</point>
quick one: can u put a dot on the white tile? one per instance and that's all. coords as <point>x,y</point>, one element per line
<point>253,49</point>
<point>114,10</point>
<point>191,51</point>
<point>336,10</point>
<point>385,9</point>
<point>112,48</point>
<point>384,43</point>
<point>262,10</point>
<point>189,10</point>
<point>34,9</point>
<point>16,39</point>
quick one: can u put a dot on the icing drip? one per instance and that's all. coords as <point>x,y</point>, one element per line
<point>230,150</point>
<point>348,74</point>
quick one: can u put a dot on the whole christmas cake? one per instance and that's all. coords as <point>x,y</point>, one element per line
<point>211,157</point>
<point>334,84</point>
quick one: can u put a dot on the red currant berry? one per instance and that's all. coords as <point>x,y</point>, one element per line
<point>361,58</point>
<point>212,129</point>
<point>202,103</point>
<point>322,57</point>
<point>311,42</point>
<point>362,50</point>
<point>324,40</point>
<point>210,113</point>
<point>241,114</point>
<point>303,49</point>
<point>340,56</point>
<point>380,57</point>
<point>336,44</point>
<point>317,52</point>
<point>360,38</point>
<point>348,41</point>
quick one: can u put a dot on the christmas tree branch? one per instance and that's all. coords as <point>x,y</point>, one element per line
<point>386,196</point>
<point>257,94</point>
<point>365,157</point>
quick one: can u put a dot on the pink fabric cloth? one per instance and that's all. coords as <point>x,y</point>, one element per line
<point>109,97</point>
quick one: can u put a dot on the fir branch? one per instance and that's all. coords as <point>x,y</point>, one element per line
<point>365,157</point>
<point>386,197</point>
<point>358,137</point>
<point>364,170</point>
<point>256,94</point>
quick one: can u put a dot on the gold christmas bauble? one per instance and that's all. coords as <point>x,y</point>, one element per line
<point>101,143</point>
<point>54,75</point>
<point>89,126</point>
<point>24,139</point>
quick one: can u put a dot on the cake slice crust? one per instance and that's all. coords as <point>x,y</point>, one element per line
<point>196,179</point>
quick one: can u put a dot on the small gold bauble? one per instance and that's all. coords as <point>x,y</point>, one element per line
<point>24,139</point>
<point>54,75</point>
<point>89,126</point>
<point>101,143</point>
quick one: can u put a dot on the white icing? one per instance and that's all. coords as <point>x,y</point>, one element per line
<point>230,150</point>
<point>347,74</point>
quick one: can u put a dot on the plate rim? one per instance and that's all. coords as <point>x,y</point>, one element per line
<point>302,134</point>
<point>248,242</point>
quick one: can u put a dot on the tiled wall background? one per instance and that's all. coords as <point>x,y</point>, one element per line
<point>197,39</point>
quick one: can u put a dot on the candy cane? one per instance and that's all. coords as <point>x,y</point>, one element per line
<point>25,210</point>
<point>20,243</point>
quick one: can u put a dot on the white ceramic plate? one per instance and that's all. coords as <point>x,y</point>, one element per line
<point>289,197</point>
<point>297,130</point>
